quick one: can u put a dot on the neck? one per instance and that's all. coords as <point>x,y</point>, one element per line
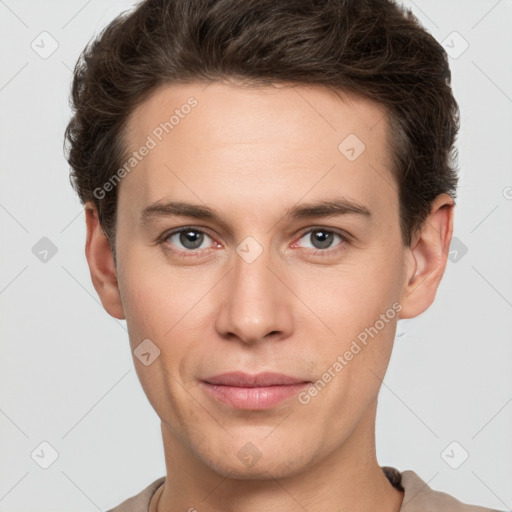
<point>348,479</point>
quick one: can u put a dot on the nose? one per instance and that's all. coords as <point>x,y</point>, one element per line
<point>256,302</point>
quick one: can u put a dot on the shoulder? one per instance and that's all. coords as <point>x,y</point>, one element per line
<point>139,502</point>
<point>420,497</point>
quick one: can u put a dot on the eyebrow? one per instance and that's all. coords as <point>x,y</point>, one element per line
<point>323,208</point>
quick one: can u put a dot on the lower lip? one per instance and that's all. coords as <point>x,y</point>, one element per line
<point>257,398</point>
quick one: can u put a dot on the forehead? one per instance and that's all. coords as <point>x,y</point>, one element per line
<point>224,110</point>
<point>222,143</point>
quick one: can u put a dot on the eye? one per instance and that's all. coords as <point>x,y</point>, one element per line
<point>189,241</point>
<point>322,240</point>
<point>186,239</point>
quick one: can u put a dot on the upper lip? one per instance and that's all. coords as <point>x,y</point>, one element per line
<point>242,379</point>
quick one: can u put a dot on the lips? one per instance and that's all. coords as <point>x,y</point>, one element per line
<point>245,380</point>
<point>252,392</point>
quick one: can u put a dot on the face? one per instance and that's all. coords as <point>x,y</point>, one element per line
<point>284,256</point>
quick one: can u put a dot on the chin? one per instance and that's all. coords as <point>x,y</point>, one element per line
<point>248,463</point>
<point>269,471</point>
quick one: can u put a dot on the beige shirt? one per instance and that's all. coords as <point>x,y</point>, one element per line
<point>418,496</point>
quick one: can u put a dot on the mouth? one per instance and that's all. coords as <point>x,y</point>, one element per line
<point>252,392</point>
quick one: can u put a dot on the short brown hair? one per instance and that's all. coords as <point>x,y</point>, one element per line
<point>373,48</point>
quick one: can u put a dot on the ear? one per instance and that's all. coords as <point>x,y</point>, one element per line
<point>428,255</point>
<point>101,264</point>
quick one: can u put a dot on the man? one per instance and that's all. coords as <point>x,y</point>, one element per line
<point>268,188</point>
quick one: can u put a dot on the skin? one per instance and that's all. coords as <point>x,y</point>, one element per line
<point>252,153</point>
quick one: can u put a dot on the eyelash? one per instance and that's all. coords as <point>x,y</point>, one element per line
<point>197,253</point>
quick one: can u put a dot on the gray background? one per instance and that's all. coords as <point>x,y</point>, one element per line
<point>67,375</point>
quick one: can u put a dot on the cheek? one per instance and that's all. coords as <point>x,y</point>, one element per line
<point>343,300</point>
<point>170,307</point>
<point>355,310</point>
<point>154,298</point>
<point>377,282</point>
<point>157,307</point>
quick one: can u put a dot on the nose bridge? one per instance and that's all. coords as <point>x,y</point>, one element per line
<point>255,300</point>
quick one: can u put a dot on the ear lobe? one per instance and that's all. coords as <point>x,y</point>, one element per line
<point>101,264</point>
<point>429,253</point>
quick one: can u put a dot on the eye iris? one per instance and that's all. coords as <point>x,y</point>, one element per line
<point>191,237</point>
<point>323,238</point>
